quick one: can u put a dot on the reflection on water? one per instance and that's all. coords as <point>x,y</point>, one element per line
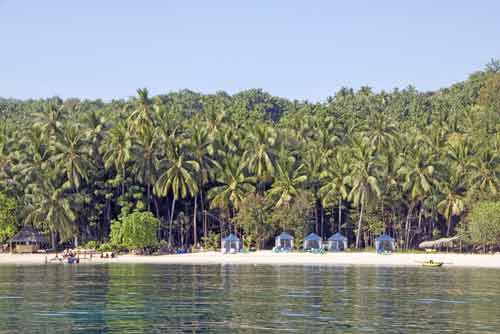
<point>249,299</point>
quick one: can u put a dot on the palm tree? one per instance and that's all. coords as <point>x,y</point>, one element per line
<point>33,160</point>
<point>94,128</point>
<point>178,177</point>
<point>71,155</point>
<point>51,118</point>
<point>335,180</point>
<point>51,209</point>
<point>116,150</point>
<point>6,143</point>
<point>485,174</point>
<point>146,158</point>
<point>452,203</point>
<point>201,146</point>
<point>232,184</point>
<point>419,173</point>
<point>314,159</point>
<point>363,179</point>
<point>142,117</point>
<point>288,179</point>
<point>259,152</point>
<point>459,151</point>
<point>381,131</point>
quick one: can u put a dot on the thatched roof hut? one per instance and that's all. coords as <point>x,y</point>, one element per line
<point>28,240</point>
<point>28,235</point>
<point>443,242</point>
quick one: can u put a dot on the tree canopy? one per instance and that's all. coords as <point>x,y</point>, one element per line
<point>408,163</point>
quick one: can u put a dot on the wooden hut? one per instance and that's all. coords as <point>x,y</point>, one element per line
<point>284,241</point>
<point>337,242</point>
<point>313,242</point>
<point>230,244</point>
<point>384,244</point>
<point>27,240</point>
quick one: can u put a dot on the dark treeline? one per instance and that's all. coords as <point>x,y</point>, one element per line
<point>408,163</point>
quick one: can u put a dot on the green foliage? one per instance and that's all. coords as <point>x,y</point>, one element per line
<point>292,218</point>
<point>382,160</point>
<point>211,241</point>
<point>254,218</point>
<point>135,231</point>
<point>248,241</point>
<point>92,244</point>
<point>8,221</point>
<point>484,224</point>
<point>107,247</point>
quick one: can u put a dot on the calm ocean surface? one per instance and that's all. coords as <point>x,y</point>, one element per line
<point>140,298</point>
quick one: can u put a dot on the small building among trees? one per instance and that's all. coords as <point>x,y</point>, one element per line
<point>337,242</point>
<point>312,242</point>
<point>284,241</point>
<point>27,240</point>
<point>230,244</point>
<point>385,243</point>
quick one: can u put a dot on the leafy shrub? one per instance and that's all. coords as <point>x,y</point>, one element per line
<point>106,247</point>
<point>135,231</point>
<point>484,224</point>
<point>212,241</point>
<point>8,222</point>
<point>92,244</point>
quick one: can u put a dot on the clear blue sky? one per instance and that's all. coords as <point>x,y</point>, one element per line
<point>295,49</point>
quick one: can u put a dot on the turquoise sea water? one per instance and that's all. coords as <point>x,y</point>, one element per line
<point>124,298</point>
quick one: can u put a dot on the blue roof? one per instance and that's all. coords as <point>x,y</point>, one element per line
<point>284,236</point>
<point>337,237</point>
<point>312,237</point>
<point>231,237</point>
<point>384,237</point>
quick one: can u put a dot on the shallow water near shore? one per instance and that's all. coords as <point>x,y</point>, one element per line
<point>145,298</point>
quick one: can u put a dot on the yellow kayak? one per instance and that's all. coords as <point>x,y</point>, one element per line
<point>432,264</point>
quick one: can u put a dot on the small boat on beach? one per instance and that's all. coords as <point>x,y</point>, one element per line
<point>432,263</point>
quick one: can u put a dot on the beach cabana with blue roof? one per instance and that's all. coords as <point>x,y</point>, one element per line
<point>312,241</point>
<point>385,243</point>
<point>284,241</point>
<point>337,242</point>
<point>230,244</point>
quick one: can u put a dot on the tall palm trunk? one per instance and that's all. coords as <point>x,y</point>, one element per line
<point>205,224</point>
<point>149,196</point>
<point>408,226</point>
<point>170,223</point>
<point>358,233</point>
<point>195,228</point>
<point>181,232</point>
<point>108,218</point>
<point>322,217</point>
<point>420,217</point>
<point>123,181</point>
<point>53,239</point>
<point>448,229</point>
<point>316,217</point>
<point>340,213</point>
<point>157,207</point>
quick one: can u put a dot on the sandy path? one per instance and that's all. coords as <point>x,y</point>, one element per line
<point>268,257</point>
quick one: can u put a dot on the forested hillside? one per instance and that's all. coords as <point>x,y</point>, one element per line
<point>409,163</point>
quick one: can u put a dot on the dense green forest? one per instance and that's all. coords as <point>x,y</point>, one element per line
<point>409,163</point>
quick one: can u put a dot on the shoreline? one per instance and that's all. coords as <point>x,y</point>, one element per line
<point>271,258</point>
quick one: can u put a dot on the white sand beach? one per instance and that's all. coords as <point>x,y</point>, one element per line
<point>294,258</point>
